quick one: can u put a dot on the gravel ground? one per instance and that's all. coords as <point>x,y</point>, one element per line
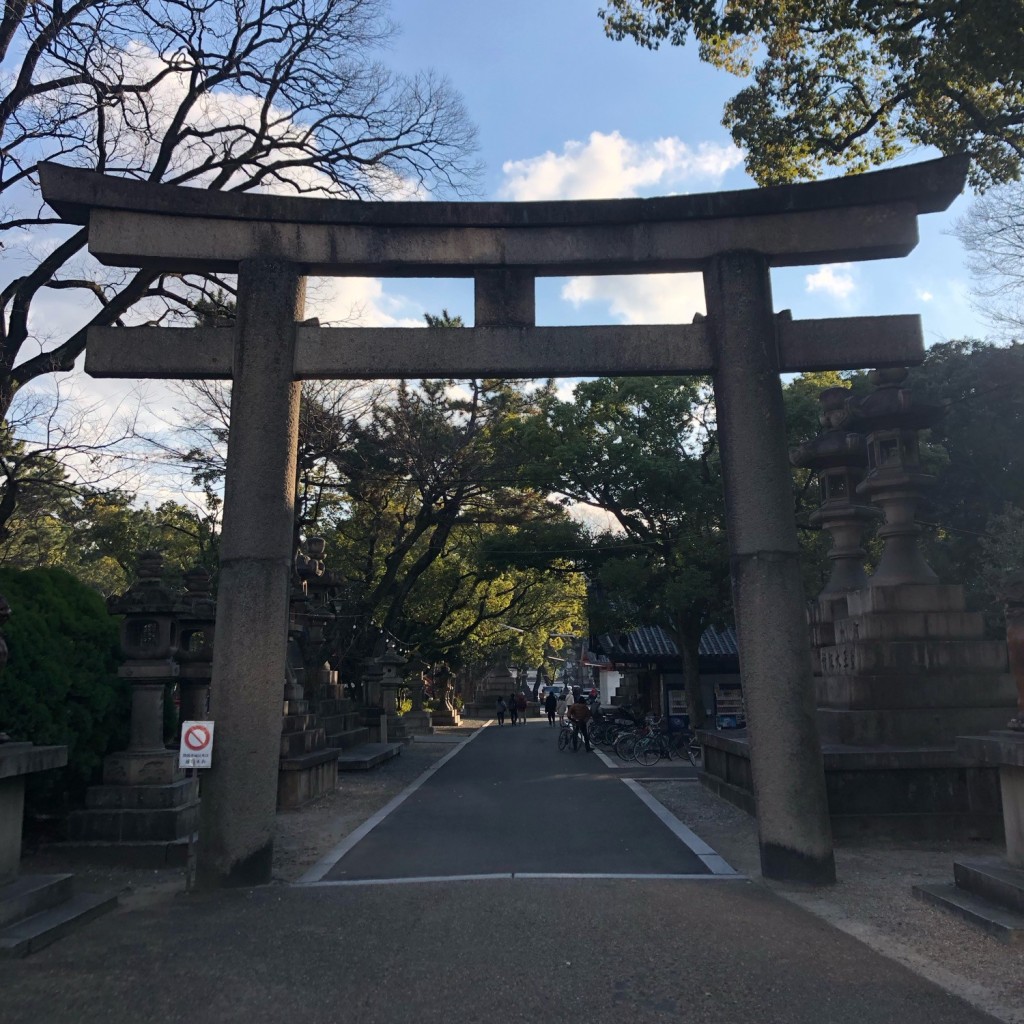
<point>872,900</point>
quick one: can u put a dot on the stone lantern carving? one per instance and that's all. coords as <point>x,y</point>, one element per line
<point>838,455</point>
<point>892,419</point>
<point>197,614</point>
<point>149,640</point>
<point>445,712</point>
<point>391,679</point>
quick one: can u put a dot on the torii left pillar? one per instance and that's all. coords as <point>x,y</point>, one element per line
<point>240,790</point>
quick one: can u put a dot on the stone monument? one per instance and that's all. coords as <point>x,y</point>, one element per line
<point>444,713</point>
<point>307,767</point>
<point>903,667</point>
<point>146,809</point>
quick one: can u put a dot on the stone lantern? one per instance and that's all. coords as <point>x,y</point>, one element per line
<point>444,713</point>
<point>391,680</point>
<point>892,419</point>
<point>197,614</point>
<point>149,639</point>
<point>839,456</point>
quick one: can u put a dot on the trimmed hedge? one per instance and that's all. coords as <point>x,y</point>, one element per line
<point>61,684</point>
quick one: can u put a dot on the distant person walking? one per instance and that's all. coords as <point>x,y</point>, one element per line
<point>564,700</point>
<point>500,710</point>
<point>512,707</point>
<point>551,706</point>
<point>521,707</point>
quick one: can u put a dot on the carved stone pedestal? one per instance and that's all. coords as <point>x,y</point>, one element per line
<point>499,681</point>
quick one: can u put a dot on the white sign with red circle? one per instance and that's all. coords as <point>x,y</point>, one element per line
<point>196,745</point>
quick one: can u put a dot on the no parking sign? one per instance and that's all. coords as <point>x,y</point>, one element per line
<point>196,745</point>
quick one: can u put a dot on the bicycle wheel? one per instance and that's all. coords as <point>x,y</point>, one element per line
<point>647,752</point>
<point>563,739</point>
<point>624,745</point>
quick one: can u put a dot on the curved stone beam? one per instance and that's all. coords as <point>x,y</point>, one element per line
<point>868,216</point>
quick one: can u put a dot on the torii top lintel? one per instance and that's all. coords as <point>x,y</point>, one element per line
<point>168,227</point>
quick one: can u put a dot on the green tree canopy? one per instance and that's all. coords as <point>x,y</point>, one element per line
<point>854,83</point>
<point>643,449</point>
<point>61,684</point>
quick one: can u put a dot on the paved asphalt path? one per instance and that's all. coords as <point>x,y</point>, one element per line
<point>510,802</point>
<point>487,951</point>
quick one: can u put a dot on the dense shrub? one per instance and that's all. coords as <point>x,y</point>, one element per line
<point>61,684</point>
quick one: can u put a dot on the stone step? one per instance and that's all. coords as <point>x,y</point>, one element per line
<point>349,739</point>
<point>992,879</point>
<point>298,723</point>
<point>39,930</point>
<point>128,825</point>
<point>154,855</point>
<point>334,724</point>
<point>336,707</point>
<point>294,743</point>
<point>330,691</point>
<point>295,707</point>
<point>352,736</point>
<point>174,794</point>
<point>1002,924</point>
<point>369,755</point>
<point>32,894</point>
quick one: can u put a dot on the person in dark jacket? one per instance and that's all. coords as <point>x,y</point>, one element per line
<point>579,715</point>
<point>550,704</point>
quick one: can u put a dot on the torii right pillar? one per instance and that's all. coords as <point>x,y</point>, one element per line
<point>785,752</point>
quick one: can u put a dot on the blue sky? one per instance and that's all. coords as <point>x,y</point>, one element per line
<point>564,112</point>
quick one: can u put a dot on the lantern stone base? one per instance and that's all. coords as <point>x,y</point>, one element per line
<point>304,777</point>
<point>142,768</point>
<point>133,814</point>
<point>499,681</point>
<point>418,723</point>
<point>307,768</point>
<point>911,793</point>
<point>446,717</point>
<point>342,723</point>
<point>906,666</point>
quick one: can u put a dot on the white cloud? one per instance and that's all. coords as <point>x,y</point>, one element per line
<point>642,298</point>
<point>358,302</point>
<point>610,166</point>
<point>597,520</point>
<point>923,295</point>
<point>834,280</point>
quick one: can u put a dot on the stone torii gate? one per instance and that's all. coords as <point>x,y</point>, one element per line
<point>733,238</point>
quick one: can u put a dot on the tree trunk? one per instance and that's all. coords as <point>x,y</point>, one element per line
<point>691,679</point>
